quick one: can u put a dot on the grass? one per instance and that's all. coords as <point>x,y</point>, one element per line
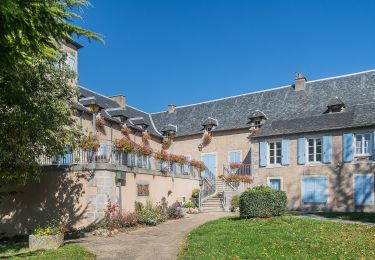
<point>19,250</point>
<point>288,237</point>
<point>355,216</point>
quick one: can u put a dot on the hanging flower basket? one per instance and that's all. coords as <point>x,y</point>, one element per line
<point>146,137</point>
<point>89,142</point>
<point>179,159</point>
<point>161,156</point>
<point>166,143</point>
<point>235,179</point>
<point>125,130</point>
<point>206,138</point>
<point>99,121</point>
<point>235,165</point>
<point>198,165</point>
<point>125,145</point>
<point>144,150</point>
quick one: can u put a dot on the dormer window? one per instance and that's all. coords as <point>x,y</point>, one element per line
<point>169,131</point>
<point>209,124</point>
<point>335,105</point>
<point>256,119</point>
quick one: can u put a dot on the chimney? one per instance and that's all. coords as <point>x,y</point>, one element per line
<point>171,108</point>
<point>119,99</point>
<point>299,82</point>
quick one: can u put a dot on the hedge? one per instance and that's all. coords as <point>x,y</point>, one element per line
<point>262,202</point>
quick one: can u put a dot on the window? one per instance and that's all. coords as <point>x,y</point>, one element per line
<point>72,63</point>
<point>315,190</point>
<point>234,156</point>
<point>143,190</point>
<point>363,144</point>
<point>275,153</point>
<point>185,167</point>
<point>275,183</point>
<point>257,123</point>
<point>363,185</point>
<point>314,149</point>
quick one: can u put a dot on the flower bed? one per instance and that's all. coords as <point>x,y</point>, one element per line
<point>89,142</point>
<point>125,145</point>
<point>237,178</point>
<point>99,121</point>
<point>198,165</point>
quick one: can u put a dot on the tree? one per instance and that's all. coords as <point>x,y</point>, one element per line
<point>35,94</point>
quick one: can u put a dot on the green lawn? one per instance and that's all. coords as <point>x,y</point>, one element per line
<point>356,216</point>
<point>19,250</point>
<point>289,237</point>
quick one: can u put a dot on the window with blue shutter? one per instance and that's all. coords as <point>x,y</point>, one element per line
<point>285,157</point>
<point>327,149</point>
<point>301,150</point>
<point>373,146</point>
<point>347,147</point>
<point>315,189</point>
<point>104,150</point>
<point>363,189</point>
<point>185,167</point>
<point>234,156</point>
<point>263,154</point>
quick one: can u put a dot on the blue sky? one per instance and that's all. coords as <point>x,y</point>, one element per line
<point>182,52</point>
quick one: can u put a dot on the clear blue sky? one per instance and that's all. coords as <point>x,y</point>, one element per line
<point>182,52</point>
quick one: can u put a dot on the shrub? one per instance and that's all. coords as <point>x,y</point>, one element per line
<point>50,229</point>
<point>124,220</point>
<point>175,211</point>
<point>263,202</point>
<point>147,214</point>
<point>195,193</point>
<point>161,210</point>
<point>188,204</point>
<point>234,203</point>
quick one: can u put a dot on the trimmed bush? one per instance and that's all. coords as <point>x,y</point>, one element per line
<point>234,203</point>
<point>262,202</point>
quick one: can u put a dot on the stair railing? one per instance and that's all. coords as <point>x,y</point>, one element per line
<point>208,185</point>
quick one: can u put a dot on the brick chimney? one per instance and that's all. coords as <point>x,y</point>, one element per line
<point>119,99</point>
<point>299,82</point>
<point>171,108</point>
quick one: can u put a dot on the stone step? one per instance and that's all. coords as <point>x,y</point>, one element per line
<point>212,210</point>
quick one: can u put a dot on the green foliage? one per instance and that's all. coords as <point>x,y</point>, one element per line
<point>151,215</point>
<point>188,204</point>
<point>263,202</point>
<point>35,111</point>
<point>286,237</point>
<point>195,193</point>
<point>235,202</point>
<point>37,28</point>
<point>35,94</point>
<point>49,229</point>
<point>11,250</point>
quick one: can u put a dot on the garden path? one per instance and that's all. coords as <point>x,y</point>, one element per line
<point>159,242</point>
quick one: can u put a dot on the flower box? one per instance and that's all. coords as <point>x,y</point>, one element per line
<point>46,242</point>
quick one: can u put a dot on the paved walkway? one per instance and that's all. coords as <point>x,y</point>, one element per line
<point>160,242</point>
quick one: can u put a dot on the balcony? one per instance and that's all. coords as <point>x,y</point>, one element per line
<point>107,156</point>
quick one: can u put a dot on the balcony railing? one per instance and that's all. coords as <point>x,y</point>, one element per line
<point>107,153</point>
<point>244,169</point>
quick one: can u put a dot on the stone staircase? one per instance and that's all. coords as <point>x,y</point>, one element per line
<point>214,202</point>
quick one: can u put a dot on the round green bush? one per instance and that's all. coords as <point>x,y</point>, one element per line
<point>262,202</point>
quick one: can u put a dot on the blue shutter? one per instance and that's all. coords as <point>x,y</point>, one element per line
<point>301,150</point>
<point>347,147</point>
<point>320,188</point>
<point>363,189</point>
<point>263,154</point>
<point>315,190</point>
<point>327,149</point>
<point>308,190</point>
<point>210,162</point>
<point>104,150</point>
<point>373,146</point>
<point>285,157</point>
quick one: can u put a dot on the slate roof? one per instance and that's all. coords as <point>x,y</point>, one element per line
<point>130,112</point>
<point>288,111</point>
